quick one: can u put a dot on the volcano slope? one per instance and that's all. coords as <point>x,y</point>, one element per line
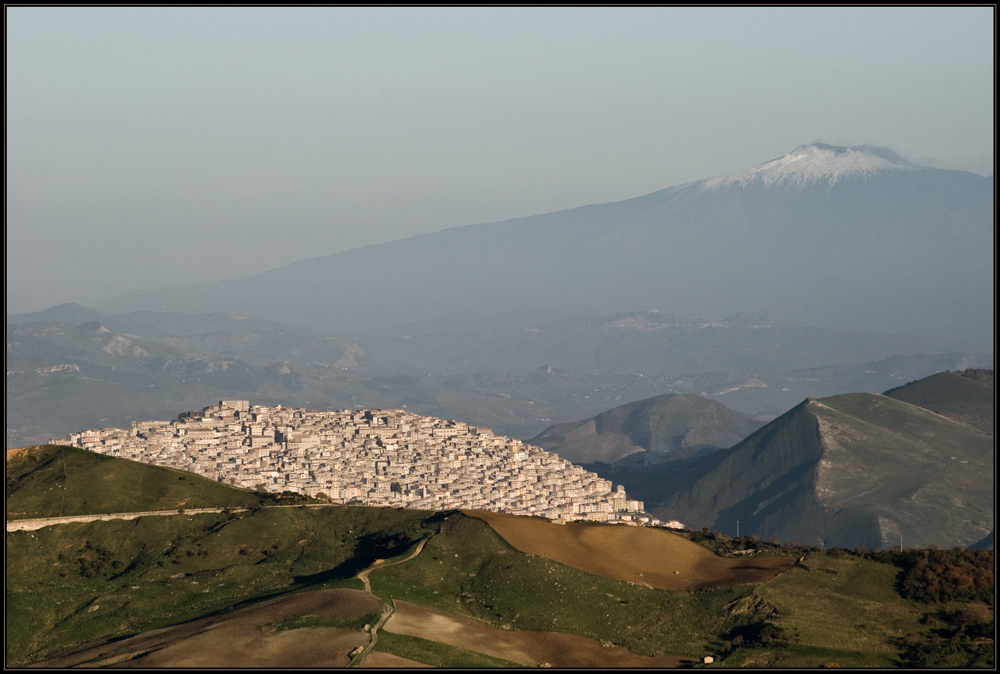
<point>807,238</point>
<point>849,470</point>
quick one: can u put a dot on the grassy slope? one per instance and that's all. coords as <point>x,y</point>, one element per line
<point>157,571</point>
<point>50,481</point>
<point>655,557</point>
<point>843,610</point>
<point>471,570</point>
<point>922,475</point>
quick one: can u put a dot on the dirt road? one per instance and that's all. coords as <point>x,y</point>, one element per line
<point>38,523</point>
<point>363,577</point>
<point>31,525</point>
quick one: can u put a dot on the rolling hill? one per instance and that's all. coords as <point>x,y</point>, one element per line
<point>663,428</point>
<point>56,481</point>
<point>623,343</point>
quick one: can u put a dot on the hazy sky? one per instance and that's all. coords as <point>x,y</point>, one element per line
<point>148,147</point>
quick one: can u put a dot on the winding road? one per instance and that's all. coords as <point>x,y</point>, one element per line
<point>363,577</point>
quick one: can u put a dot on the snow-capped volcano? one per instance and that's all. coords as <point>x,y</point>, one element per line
<point>854,237</point>
<point>819,163</point>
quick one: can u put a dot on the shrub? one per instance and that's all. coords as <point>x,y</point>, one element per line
<point>973,614</point>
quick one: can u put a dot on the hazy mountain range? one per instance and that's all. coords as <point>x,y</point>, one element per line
<point>71,367</point>
<point>853,238</point>
<point>848,470</point>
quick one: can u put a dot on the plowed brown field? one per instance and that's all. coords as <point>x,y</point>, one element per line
<point>636,554</point>
<point>237,640</point>
<point>525,648</point>
<point>380,660</point>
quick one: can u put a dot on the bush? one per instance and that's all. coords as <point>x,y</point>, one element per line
<point>764,634</point>
<point>973,614</point>
<point>947,575</point>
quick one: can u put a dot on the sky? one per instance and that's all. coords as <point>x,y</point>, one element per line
<point>149,147</point>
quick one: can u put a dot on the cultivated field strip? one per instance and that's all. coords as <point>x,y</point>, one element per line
<point>635,554</point>
<point>247,637</point>
<point>531,649</point>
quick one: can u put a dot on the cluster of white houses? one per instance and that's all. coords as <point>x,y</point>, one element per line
<point>371,457</point>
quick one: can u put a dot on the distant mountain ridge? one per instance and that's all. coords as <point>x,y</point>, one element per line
<point>64,377</point>
<point>647,342</point>
<point>848,470</point>
<point>65,373</point>
<point>852,237</point>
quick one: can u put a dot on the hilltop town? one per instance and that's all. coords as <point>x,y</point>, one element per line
<point>371,457</point>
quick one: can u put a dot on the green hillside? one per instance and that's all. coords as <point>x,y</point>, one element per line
<point>75,584</point>
<point>968,398</point>
<point>840,609</point>
<point>854,469</point>
<point>52,481</point>
<point>665,427</point>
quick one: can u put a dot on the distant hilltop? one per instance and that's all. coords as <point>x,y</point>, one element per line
<point>373,457</point>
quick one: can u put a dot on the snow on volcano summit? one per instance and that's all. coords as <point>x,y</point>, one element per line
<point>819,163</point>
